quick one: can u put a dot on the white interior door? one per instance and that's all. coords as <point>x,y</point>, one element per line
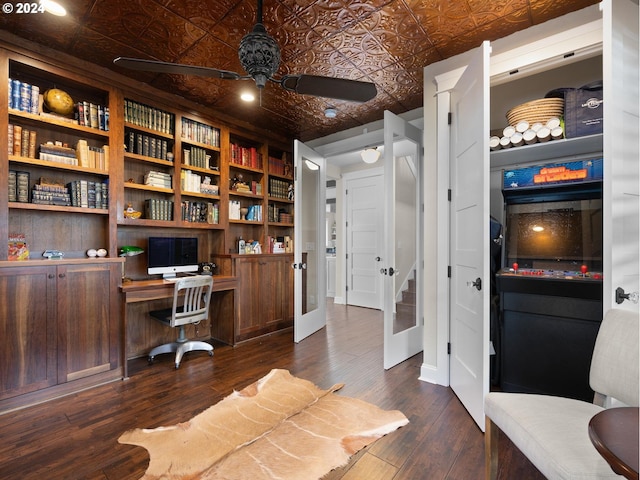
<point>401,265</point>
<point>309,241</point>
<point>621,152</point>
<point>364,241</point>
<point>469,292</point>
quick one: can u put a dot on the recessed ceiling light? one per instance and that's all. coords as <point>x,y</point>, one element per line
<point>54,8</point>
<point>247,96</point>
<point>330,112</point>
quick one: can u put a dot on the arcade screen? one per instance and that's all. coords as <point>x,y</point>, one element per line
<point>556,235</point>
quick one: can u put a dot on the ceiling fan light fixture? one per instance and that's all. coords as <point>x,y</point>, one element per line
<point>370,155</point>
<point>247,97</point>
<point>259,55</point>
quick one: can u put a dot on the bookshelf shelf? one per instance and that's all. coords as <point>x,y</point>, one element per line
<point>280,200</point>
<point>57,208</point>
<point>193,143</point>
<point>200,195</point>
<point>148,188</point>
<point>58,123</point>
<point>56,166</point>
<point>235,193</point>
<point>239,167</point>
<point>145,159</point>
<point>281,224</point>
<point>150,131</point>
<point>205,171</point>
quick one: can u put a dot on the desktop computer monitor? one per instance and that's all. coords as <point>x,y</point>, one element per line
<point>168,256</point>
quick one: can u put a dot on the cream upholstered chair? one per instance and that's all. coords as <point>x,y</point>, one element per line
<point>191,297</point>
<point>552,432</point>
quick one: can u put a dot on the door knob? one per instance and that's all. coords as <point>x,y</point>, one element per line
<point>378,259</point>
<point>477,283</point>
<point>621,296</point>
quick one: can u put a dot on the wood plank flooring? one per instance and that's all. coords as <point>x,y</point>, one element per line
<point>76,437</point>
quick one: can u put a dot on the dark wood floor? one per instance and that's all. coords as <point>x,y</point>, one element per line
<point>76,437</point>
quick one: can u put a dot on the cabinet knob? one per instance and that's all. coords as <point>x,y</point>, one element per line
<point>62,275</point>
<point>51,275</point>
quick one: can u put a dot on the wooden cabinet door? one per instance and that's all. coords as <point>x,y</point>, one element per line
<point>88,320</point>
<point>276,292</point>
<point>249,314</point>
<point>27,329</point>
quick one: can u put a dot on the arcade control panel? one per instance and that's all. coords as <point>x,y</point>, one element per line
<point>583,274</point>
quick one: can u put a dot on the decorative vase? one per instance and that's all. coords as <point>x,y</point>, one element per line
<point>243,213</point>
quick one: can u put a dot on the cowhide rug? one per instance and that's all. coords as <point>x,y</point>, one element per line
<point>280,427</point>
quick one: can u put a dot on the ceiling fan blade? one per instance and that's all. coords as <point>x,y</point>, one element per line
<point>330,87</point>
<point>174,68</point>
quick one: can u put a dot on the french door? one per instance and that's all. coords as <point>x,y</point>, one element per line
<point>310,287</point>
<point>401,264</point>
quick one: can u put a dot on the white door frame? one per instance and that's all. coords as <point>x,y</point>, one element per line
<point>346,178</point>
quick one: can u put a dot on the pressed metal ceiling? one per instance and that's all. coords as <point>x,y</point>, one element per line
<point>385,42</point>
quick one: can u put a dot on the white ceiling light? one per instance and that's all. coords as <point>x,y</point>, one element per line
<point>370,155</point>
<point>54,8</point>
<point>330,112</point>
<point>247,96</point>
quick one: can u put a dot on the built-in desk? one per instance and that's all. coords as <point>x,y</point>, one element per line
<point>141,333</point>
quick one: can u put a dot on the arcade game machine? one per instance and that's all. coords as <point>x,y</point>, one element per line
<point>551,287</point>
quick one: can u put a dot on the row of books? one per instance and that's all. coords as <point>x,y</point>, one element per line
<point>24,97</point>
<point>158,209</point>
<point>158,179</point>
<point>246,156</point>
<point>89,194</point>
<point>280,189</point>
<point>199,132</point>
<point>92,115</point>
<point>78,193</point>
<point>278,214</point>
<point>148,117</point>
<point>253,214</point>
<point>197,157</point>
<point>22,142</point>
<point>280,166</point>
<point>192,182</point>
<point>200,212</point>
<point>147,145</point>
<point>18,188</point>
<point>91,157</point>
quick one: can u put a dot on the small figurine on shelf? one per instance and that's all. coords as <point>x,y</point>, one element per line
<point>130,212</point>
<point>290,195</point>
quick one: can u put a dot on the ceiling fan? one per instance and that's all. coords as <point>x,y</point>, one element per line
<point>260,57</point>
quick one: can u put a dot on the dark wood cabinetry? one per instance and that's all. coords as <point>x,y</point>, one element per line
<point>61,326</point>
<point>264,302</point>
<point>61,319</point>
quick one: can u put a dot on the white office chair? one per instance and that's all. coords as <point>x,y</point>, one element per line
<point>553,432</point>
<point>191,297</point>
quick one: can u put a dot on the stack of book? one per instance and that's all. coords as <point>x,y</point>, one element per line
<point>22,187</point>
<point>199,132</point>
<point>147,145</point>
<point>197,157</point>
<point>92,115</point>
<point>24,96</point>
<point>246,156</point>
<point>58,154</point>
<point>158,209</point>
<point>279,188</point>
<point>148,117</point>
<point>89,194</point>
<point>47,192</point>
<point>22,142</point>
<point>200,212</point>
<point>158,179</point>
<point>189,181</point>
